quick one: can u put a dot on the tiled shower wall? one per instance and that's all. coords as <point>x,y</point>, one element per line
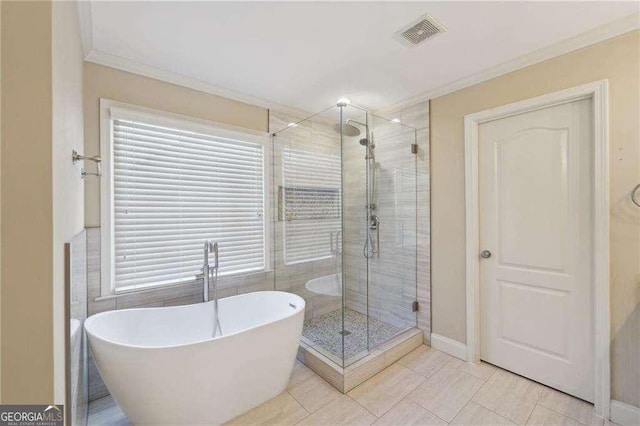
<point>402,198</point>
<point>391,273</point>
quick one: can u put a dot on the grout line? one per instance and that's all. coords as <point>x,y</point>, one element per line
<point>366,409</point>
<point>534,407</point>
<point>301,419</point>
<point>394,405</point>
<point>489,410</point>
<point>558,412</point>
<point>550,388</point>
<point>299,403</point>
<point>484,382</point>
<point>417,372</point>
<point>426,409</point>
<point>531,413</point>
<point>322,406</point>
<point>460,371</point>
<point>503,417</point>
<point>402,399</point>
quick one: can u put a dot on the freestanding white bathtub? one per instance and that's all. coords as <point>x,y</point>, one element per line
<point>162,365</point>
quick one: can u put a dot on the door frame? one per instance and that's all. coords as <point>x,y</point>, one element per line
<point>598,93</point>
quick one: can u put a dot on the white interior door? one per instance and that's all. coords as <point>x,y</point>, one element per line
<point>536,208</point>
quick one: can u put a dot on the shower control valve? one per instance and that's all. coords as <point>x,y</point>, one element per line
<point>374,222</point>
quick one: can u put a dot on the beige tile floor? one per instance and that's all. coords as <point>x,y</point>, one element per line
<point>426,387</point>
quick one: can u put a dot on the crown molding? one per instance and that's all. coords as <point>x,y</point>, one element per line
<point>85,17</point>
<point>595,35</point>
<point>134,67</point>
<point>598,34</point>
<point>93,55</point>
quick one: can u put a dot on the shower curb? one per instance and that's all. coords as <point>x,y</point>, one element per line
<point>345,379</point>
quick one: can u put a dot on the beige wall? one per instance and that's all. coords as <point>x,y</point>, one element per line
<point>41,192</point>
<point>68,186</point>
<point>105,82</point>
<point>0,202</point>
<point>617,60</point>
<point>27,205</point>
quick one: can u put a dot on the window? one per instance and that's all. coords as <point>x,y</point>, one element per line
<point>172,188</point>
<point>310,205</point>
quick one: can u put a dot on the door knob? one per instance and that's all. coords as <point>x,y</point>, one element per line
<point>485,254</point>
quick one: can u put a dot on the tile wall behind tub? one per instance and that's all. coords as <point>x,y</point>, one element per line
<point>76,259</point>
<point>182,294</point>
<point>312,136</point>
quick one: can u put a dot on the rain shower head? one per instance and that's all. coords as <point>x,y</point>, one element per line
<point>347,129</point>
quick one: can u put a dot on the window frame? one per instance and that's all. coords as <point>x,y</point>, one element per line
<point>110,109</point>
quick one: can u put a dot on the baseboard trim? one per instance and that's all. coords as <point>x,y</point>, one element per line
<point>624,414</point>
<point>449,346</point>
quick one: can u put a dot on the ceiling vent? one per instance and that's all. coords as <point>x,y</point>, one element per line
<point>419,30</point>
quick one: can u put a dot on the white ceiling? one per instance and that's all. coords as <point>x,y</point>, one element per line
<point>306,55</point>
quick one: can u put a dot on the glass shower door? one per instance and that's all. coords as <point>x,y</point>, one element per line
<point>392,270</point>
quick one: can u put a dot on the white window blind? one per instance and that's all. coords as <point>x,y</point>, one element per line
<point>172,190</point>
<point>311,204</point>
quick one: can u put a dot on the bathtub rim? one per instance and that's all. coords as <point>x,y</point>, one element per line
<point>92,335</point>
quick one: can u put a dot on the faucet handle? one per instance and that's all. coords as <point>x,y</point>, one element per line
<point>200,274</point>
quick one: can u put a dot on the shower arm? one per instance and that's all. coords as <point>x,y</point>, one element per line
<point>351,120</point>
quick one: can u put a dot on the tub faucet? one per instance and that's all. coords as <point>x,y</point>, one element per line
<point>209,248</point>
<point>337,237</point>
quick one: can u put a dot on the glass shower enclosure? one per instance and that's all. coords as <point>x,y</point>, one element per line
<point>344,227</point>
